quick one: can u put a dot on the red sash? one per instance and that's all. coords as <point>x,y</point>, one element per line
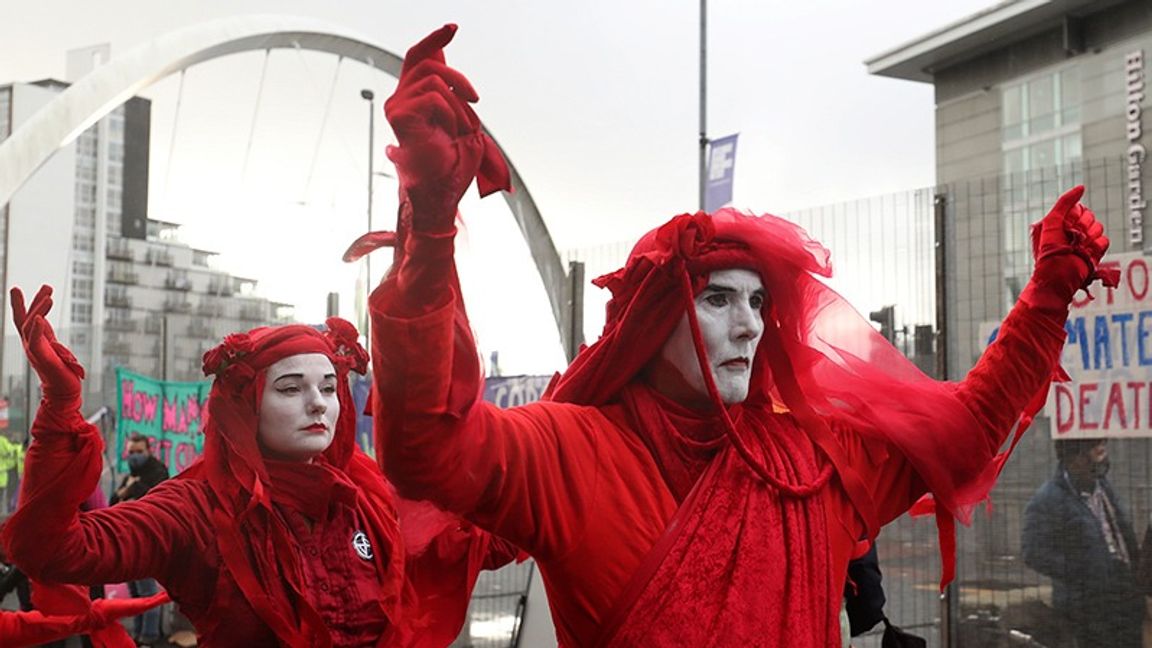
<point>740,564</point>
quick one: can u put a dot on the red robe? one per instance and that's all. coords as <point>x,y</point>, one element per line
<point>580,491</point>
<point>168,535</point>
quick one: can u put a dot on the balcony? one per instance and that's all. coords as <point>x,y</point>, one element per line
<point>126,326</point>
<point>117,301</point>
<point>119,249</point>
<point>158,257</point>
<point>122,276</point>
<point>253,313</point>
<point>178,283</point>
<point>209,309</point>
<point>119,348</point>
<point>201,330</point>
<point>221,287</point>
<point>177,306</point>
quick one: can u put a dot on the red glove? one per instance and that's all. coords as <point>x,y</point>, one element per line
<point>442,146</point>
<point>1067,245</point>
<point>59,371</point>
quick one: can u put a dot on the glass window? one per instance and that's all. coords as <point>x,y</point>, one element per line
<point>1041,104</point>
<point>1042,155</point>
<point>83,242</point>
<point>1070,146</point>
<point>1014,160</point>
<point>1013,106</point>
<point>1041,149</point>
<point>81,313</point>
<point>82,288</point>
<point>1070,99</point>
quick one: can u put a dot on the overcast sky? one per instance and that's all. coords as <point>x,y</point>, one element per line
<point>596,102</point>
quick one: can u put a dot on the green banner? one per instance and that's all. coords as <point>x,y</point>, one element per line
<point>169,413</point>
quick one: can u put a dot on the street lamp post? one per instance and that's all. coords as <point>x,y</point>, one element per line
<point>370,97</point>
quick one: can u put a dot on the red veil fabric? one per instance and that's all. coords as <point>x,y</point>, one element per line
<point>818,357</point>
<point>66,610</point>
<point>254,542</point>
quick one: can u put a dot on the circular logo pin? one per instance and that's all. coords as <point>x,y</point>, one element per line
<point>361,545</point>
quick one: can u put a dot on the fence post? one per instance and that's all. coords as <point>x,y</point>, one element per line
<point>940,203</point>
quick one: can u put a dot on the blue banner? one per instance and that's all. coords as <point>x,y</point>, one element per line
<point>510,391</point>
<point>503,391</point>
<point>361,388</point>
<point>721,172</point>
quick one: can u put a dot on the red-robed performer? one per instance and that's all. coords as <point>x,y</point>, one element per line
<point>283,534</point>
<point>703,473</point>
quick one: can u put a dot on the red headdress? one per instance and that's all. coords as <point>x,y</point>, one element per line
<point>818,356</point>
<point>255,544</point>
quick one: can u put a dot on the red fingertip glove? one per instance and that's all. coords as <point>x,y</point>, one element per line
<point>59,371</point>
<point>1067,246</point>
<point>442,146</point>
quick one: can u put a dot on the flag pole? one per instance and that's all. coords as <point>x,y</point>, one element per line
<point>703,98</point>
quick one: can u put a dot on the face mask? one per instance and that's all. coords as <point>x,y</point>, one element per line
<point>137,461</point>
<point>1100,468</point>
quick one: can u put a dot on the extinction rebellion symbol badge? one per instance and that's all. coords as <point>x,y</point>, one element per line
<point>361,545</point>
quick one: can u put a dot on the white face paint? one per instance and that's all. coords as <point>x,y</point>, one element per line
<point>728,311</point>
<point>299,408</point>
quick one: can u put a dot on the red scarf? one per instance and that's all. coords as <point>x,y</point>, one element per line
<point>683,441</point>
<point>742,563</point>
<point>309,488</point>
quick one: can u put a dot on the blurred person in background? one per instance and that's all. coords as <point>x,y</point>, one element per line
<point>1077,533</point>
<point>145,472</point>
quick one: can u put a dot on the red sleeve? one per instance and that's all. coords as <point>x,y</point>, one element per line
<point>1009,376</point>
<point>52,541</point>
<point>1014,369</point>
<point>34,628</point>
<point>526,474</point>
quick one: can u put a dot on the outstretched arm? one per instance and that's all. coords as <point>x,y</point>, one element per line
<point>48,537</point>
<point>435,438</point>
<point>1014,373</point>
<point>1008,383</point>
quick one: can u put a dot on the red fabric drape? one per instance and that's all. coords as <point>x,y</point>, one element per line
<point>255,543</point>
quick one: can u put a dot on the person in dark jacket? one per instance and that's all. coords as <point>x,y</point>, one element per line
<point>145,471</point>
<point>1077,533</point>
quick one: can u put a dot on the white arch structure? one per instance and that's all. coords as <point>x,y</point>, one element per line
<point>84,103</point>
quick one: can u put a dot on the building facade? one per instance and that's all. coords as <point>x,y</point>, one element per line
<point>128,292</point>
<point>1032,97</point>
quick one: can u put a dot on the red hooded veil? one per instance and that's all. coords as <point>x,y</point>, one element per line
<point>818,357</point>
<point>255,544</point>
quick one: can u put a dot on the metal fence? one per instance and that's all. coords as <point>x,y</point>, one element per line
<point>496,611</point>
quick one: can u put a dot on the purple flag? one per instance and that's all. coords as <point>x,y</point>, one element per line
<point>721,170</point>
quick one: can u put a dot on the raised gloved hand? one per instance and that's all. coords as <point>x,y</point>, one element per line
<point>60,373</point>
<point>442,147</point>
<point>1067,245</point>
